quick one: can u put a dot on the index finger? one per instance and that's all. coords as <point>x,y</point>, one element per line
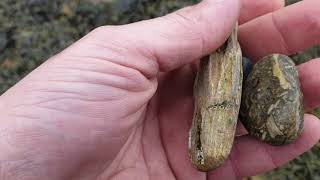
<point>288,30</point>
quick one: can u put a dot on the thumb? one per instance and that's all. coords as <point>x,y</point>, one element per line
<point>168,42</point>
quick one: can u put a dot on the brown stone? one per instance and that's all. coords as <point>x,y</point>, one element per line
<point>217,95</point>
<point>272,103</point>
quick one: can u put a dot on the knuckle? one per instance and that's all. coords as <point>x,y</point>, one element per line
<point>312,19</point>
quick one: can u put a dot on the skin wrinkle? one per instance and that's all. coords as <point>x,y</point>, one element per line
<point>103,167</point>
<point>182,20</point>
<point>311,17</point>
<point>135,112</point>
<point>151,59</point>
<point>144,156</point>
<point>52,100</point>
<point>37,107</point>
<point>43,93</point>
<point>36,131</point>
<point>118,160</point>
<point>116,58</point>
<point>274,164</point>
<point>77,94</point>
<point>234,163</point>
<point>24,163</point>
<point>143,146</point>
<point>195,33</point>
<point>78,169</point>
<point>119,100</point>
<point>72,70</point>
<point>162,140</point>
<point>48,107</point>
<point>133,76</point>
<point>135,48</point>
<point>129,78</point>
<point>26,117</point>
<point>98,38</point>
<point>81,82</point>
<point>96,82</point>
<point>41,159</point>
<point>282,35</point>
<point>154,104</point>
<point>109,138</point>
<point>78,83</point>
<point>277,4</point>
<point>165,65</point>
<point>130,140</point>
<point>111,67</point>
<point>12,171</point>
<point>59,110</point>
<point>149,53</point>
<point>119,171</point>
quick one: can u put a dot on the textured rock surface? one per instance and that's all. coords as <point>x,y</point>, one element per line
<point>272,105</point>
<point>247,67</point>
<point>217,94</point>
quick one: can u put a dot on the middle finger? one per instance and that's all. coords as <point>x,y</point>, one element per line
<point>285,31</point>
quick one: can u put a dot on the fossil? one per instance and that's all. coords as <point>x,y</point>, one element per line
<point>217,96</point>
<point>272,103</point>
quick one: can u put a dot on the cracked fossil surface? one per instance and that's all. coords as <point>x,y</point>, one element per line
<point>272,102</point>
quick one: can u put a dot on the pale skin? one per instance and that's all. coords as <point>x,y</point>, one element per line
<point>118,103</point>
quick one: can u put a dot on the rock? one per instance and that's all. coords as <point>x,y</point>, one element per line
<point>217,94</point>
<point>272,103</point>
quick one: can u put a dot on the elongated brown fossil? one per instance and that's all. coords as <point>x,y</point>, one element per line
<point>217,95</point>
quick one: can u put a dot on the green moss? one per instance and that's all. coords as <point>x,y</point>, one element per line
<point>316,112</point>
<point>306,55</point>
<point>40,28</point>
<point>305,167</point>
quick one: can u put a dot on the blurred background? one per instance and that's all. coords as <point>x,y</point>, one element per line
<point>33,30</point>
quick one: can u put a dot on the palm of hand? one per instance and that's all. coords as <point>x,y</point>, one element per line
<point>145,139</point>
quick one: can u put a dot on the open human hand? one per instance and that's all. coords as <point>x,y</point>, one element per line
<point>118,103</point>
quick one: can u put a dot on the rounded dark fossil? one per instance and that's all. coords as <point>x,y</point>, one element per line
<point>272,103</point>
